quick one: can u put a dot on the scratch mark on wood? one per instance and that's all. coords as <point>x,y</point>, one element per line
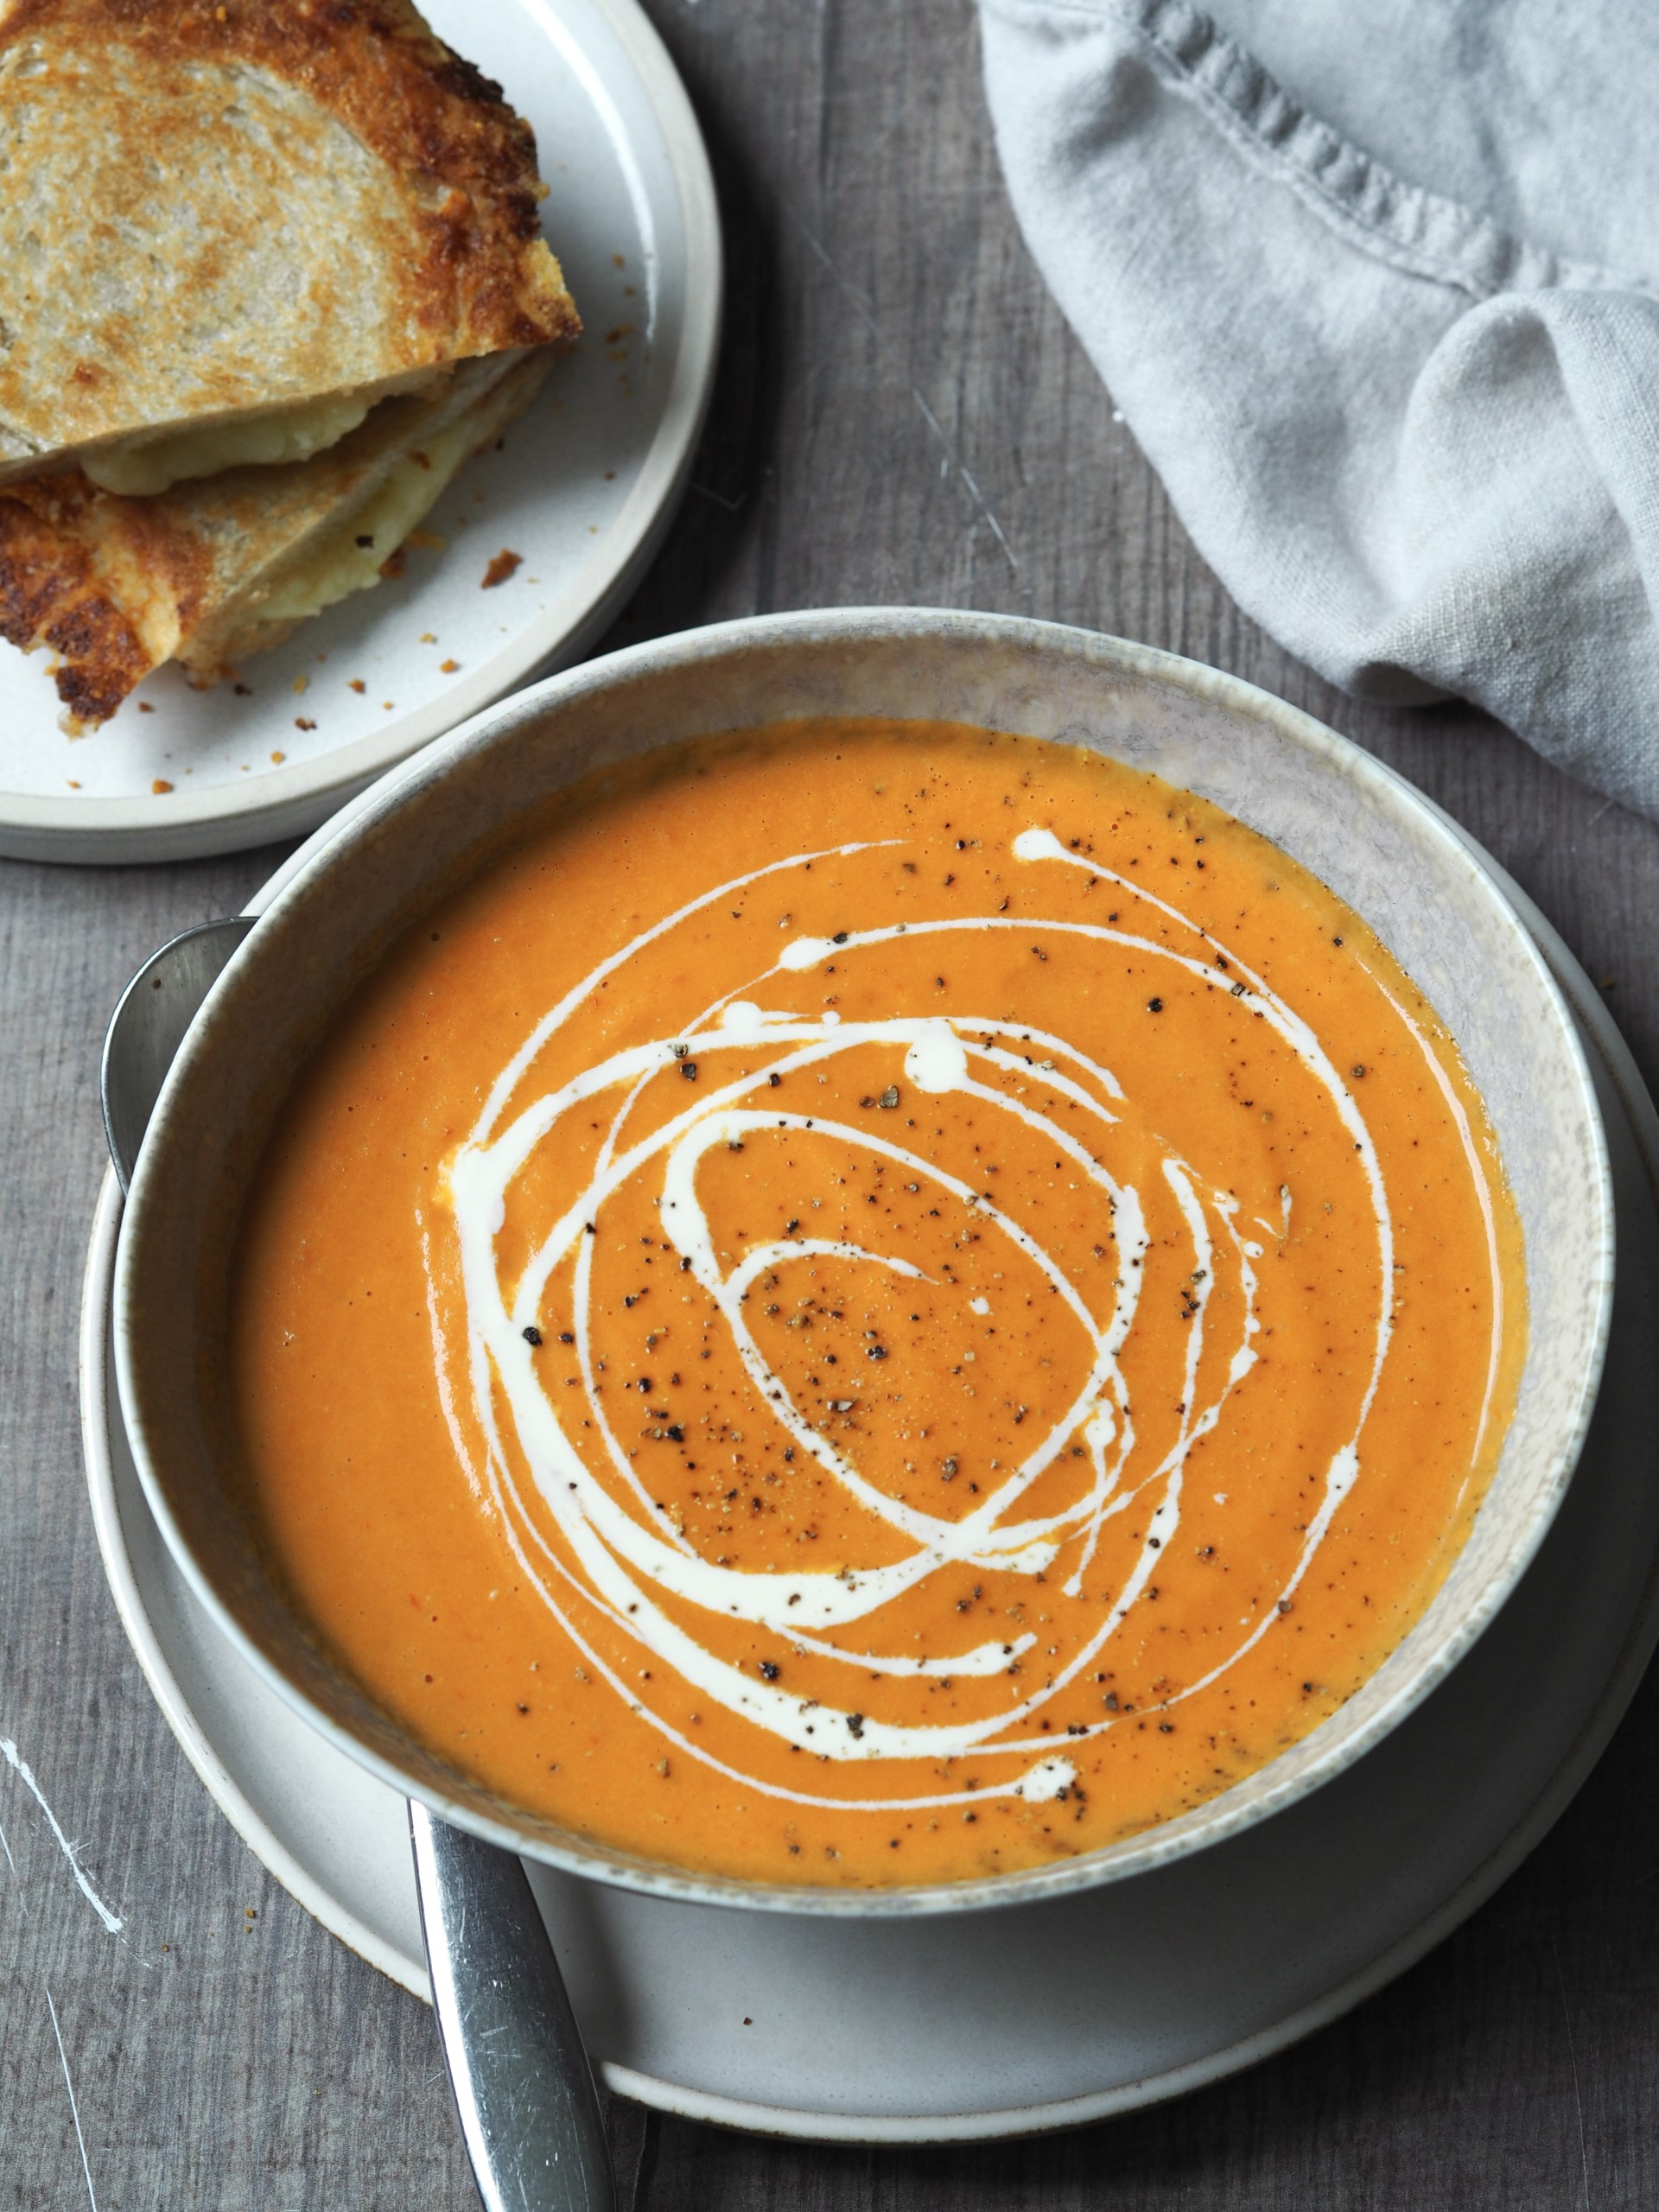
<point>970,484</point>
<point>113,1921</point>
<point>1573,2055</point>
<point>708,492</point>
<point>22,1902</point>
<point>74,2109</point>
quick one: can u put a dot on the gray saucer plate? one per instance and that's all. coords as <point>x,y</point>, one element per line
<point>1044,2016</point>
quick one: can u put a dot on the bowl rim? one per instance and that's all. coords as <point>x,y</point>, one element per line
<point>1208,1825</point>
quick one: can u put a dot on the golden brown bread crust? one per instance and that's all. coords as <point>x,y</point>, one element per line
<point>381,187</point>
<point>114,587</point>
<point>111,604</point>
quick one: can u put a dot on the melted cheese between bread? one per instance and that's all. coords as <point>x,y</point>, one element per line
<point>349,554</point>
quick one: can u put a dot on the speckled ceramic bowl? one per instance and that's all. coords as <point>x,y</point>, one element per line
<point>415,835</point>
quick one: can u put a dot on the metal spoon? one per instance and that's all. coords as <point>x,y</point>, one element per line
<point>529,2113</point>
<point>147,1026</point>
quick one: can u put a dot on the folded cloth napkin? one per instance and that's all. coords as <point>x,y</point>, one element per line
<point>1415,435</point>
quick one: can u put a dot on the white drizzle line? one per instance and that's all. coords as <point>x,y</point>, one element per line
<point>967,1663</point>
<point>1050,1778</point>
<point>1482,1191</point>
<point>515,1145</point>
<point>113,1921</point>
<point>729,1685</point>
<point>440,1364</point>
<point>1042,844</point>
<point>478,1192</point>
<point>508,1080</point>
<point>602,1535</point>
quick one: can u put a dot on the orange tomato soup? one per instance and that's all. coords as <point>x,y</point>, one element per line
<point>875,1303</point>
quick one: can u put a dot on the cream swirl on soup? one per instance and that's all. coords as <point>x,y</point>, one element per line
<point>621,1546</point>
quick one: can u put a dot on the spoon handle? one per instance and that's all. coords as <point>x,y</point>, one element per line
<point>529,2111</point>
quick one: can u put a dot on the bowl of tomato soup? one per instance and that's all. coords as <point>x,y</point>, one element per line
<point>872,1261</point>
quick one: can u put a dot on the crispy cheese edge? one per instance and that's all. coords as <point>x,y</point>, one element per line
<point>102,590</point>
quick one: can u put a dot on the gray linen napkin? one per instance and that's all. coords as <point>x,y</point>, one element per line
<point>1417,437</point>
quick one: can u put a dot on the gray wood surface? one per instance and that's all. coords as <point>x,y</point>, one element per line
<point>901,415</point>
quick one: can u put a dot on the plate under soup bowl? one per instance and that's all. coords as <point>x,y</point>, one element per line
<point>431,826</point>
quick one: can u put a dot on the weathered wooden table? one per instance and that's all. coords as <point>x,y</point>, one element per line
<point>901,415</point>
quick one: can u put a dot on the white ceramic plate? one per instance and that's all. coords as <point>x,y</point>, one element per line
<point>1043,2016</point>
<point>583,490</point>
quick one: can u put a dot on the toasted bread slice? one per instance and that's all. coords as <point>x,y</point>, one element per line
<point>214,217</point>
<point>222,567</point>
